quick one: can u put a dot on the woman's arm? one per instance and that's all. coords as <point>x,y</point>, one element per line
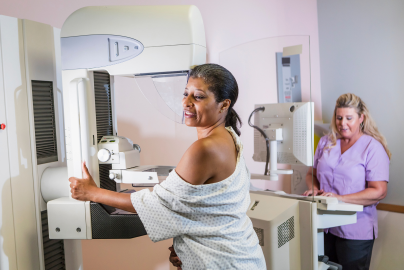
<point>376,191</point>
<point>312,183</point>
<point>86,190</point>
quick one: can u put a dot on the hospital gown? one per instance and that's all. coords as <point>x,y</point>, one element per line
<point>209,224</point>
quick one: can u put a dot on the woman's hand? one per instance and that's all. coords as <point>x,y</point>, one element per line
<point>174,258</point>
<point>312,183</point>
<point>83,189</point>
<point>313,192</point>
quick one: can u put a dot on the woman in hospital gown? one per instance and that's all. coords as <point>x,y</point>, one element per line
<point>203,202</point>
<point>351,164</point>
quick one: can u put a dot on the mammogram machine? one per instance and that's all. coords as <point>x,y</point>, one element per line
<point>156,46</point>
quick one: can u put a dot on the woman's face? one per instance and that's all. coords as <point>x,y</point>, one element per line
<point>200,106</point>
<point>348,122</point>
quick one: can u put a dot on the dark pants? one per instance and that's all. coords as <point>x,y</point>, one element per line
<point>351,254</point>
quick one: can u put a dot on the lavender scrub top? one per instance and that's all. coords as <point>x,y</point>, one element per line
<point>348,173</point>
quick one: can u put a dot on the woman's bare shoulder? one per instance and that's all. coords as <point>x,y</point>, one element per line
<point>203,159</point>
<point>195,165</point>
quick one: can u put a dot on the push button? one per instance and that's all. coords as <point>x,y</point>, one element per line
<point>2,126</point>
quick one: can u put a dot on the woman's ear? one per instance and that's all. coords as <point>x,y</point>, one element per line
<point>225,104</point>
<point>362,118</point>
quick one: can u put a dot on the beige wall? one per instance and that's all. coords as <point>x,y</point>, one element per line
<point>227,24</point>
<point>388,248</point>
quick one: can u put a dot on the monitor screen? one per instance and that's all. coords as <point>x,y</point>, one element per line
<point>296,122</point>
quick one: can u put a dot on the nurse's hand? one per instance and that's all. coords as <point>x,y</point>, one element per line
<point>174,258</point>
<point>313,192</point>
<point>83,189</point>
<point>330,194</point>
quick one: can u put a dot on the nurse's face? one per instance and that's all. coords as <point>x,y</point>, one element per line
<point>200,106</point>
<point>348,122</point>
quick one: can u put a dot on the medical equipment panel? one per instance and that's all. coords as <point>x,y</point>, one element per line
<point>292,233</point>
<point>295,120</point>
<point>288,77</point>
<point>283,133</point>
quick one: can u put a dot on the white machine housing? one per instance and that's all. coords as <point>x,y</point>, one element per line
<point>29,57</point>
<point>118,151</point>
<point>124,157</point>
<point>172,39</point>
<point>292,233</point>
<point>141,176</point>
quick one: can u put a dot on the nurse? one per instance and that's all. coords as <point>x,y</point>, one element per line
<point>351,163</point>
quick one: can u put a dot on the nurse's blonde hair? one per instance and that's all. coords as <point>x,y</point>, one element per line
<point>368,126</point>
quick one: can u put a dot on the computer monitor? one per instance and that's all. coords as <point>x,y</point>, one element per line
<point>289,127</point>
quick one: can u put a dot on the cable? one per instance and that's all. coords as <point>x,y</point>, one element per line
<point>262,133</point>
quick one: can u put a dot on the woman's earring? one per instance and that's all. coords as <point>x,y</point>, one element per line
<point>362,126</point>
